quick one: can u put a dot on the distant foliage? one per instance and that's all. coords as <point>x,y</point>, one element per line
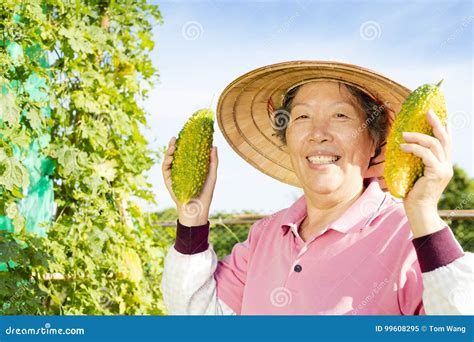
<point>459,195</point>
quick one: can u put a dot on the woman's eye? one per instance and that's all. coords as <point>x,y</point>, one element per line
<point>340,115</point>
<point>303,116</point>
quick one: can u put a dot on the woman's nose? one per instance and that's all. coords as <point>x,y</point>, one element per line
<point>320,131</point>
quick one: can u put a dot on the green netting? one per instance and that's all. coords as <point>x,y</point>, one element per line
<point>37,206</point>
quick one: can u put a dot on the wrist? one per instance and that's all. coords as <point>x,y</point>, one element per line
<point>191,221</point>
<point>193,214</point>
<point>424,221</point>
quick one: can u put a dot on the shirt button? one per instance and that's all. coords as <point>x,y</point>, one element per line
<point>298,268</point>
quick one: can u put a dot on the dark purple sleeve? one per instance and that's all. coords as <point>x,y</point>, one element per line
<point>191,240</point>
<point>436,250</point>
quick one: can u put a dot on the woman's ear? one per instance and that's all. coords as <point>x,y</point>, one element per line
<point>375,168</point>
<point>374,151</point>
<point>373,148</point>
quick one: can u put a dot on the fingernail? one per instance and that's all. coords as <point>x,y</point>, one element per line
<point>403,146</point>
<point>431,112</point>
<point>406,134</point>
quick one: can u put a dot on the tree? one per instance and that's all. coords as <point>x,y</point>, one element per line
<point>100,255</point>
<point>459,195</point>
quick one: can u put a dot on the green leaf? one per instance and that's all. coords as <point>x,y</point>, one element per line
<point>16,53</point>
<point>9,111</point>
<point>12,172</point>
<point>84,102</point>
<point>36,87</point>
<point>34,117</point>
<point>34,52</point>
<point>16,136</point>
<point>67,158</point>
<point>17,18</point>
<point>147,43</point>
<point>56,299</point>
<point>12,211</point>
<point>107,170</point>
<point>76,40</point>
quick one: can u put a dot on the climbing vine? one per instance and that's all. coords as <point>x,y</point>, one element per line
<point>73,76</point>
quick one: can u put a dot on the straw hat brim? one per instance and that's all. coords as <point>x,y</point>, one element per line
<point>246,106</point>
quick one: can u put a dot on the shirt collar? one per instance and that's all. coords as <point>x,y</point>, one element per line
<point>359,215</point>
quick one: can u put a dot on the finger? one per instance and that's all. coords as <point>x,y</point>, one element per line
<point>169,186</point>
<point>424,153</point>
<point>214,156</point>
<point>166,165</point>
<point>168,157</point>
<point>439,130</point>
<point>450,139</point>
<point>426,141</point>
<point>211,178</point>
<point>167,176</point>
<point>171,146</point>
<point>213,163</point>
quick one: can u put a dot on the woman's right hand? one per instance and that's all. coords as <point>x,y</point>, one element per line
<point>196,211</point>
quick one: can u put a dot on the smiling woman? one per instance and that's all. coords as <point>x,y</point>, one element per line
<point>323,118</point>
<point>345,240</point>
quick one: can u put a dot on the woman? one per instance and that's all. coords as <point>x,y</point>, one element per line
<point>344,247</point>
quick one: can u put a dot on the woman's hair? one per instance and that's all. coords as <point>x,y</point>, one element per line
<point>377,119</point>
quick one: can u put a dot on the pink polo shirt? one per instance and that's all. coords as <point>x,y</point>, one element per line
<point>364,263</point>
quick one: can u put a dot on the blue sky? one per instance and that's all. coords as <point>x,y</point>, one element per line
<point>204,45</point>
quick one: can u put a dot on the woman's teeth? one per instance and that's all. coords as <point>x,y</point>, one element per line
<point>323,159</point>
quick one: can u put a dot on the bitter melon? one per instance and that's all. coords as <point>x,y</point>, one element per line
<point>402,169</point>
<point>190,164</point>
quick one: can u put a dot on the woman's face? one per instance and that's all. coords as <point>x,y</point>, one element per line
<point>329,144</point>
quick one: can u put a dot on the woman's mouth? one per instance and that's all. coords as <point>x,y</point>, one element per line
<point>321,162</point>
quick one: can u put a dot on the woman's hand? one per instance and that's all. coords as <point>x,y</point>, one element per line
<point>421,203</point>
<point>196,211</point>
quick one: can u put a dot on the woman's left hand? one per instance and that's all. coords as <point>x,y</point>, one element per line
<point>421,203</point>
